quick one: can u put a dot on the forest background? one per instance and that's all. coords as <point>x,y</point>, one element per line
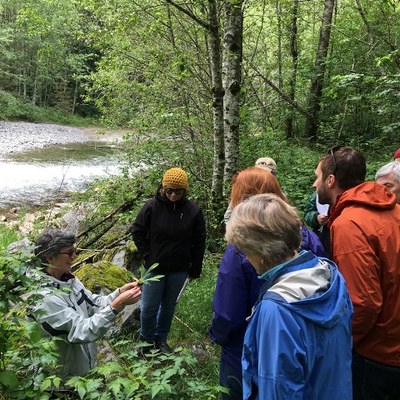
<point>210,86</point>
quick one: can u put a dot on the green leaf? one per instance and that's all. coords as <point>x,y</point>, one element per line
<point>8,379</point>
<point>81,391</point>
<point>45,384</point>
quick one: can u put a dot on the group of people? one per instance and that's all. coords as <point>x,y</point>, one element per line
<point>291,323</point>
<point>305,327</point>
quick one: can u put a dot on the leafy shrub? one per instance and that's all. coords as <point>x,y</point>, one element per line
<point>154,376</point>
<point>25,357</point>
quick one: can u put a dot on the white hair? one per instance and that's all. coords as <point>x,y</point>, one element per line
<point>393,166</point>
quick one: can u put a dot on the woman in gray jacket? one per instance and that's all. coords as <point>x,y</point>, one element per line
<point>68,310</point>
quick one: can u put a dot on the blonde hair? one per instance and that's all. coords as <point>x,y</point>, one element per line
<point>267,226</point>
<point>252,181</point>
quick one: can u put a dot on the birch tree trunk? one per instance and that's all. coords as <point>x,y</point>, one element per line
<point>213,31</point>
<point>293,75</point>
<point>231,80</point>
<point>218,103</point>
<point>317,83</point>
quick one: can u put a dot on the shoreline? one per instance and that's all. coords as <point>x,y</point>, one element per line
<point>19,137</point>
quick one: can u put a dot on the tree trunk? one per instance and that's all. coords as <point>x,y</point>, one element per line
<point>231,77</point>
<point>293,75</point>
<point>278,7</point>
<point>218,103</point>
<point>317,83</point>
<point>212,27</point>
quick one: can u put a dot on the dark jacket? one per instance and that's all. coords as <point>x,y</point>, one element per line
<point>311,212</point>
<point>171,234</point>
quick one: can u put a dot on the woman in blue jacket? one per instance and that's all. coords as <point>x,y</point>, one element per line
<point>298,342</point>
<point>238,284</point>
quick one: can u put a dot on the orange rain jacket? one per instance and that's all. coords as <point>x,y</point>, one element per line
<point>365,234</point>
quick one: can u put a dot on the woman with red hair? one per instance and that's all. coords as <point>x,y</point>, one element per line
<point>238,284</point>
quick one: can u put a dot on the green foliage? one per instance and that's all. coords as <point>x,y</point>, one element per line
<point>26,358</point>
<point>193,317</point>
<point>295,163</point>
<point>157,376</point>
<point>15,108</point>
<point>146,275</point>
<point>194,306</point>
<point>7,236</point>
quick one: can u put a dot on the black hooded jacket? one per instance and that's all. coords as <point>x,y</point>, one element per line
<point>171,234</point>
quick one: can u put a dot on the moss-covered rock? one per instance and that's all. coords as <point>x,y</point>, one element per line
<point>103,275</point>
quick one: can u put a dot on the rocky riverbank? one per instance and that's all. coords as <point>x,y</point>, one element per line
<point>33,179</point>
<point>22,136</point>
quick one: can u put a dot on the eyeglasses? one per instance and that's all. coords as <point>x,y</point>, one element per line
<point>332,152</point>
<point>69,253</point>
<point>178,192</point>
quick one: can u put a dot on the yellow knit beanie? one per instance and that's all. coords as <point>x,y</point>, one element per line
<point>175,178</point>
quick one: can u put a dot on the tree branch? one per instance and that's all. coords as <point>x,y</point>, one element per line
<point>189,14</point>
<point>285,96</point>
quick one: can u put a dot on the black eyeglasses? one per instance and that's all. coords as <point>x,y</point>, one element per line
<point>332,152</point>
<point>69,253</point>
<point>178,192</point>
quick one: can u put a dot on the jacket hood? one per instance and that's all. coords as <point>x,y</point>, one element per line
<point>321,293</point>
<point>367,194</point>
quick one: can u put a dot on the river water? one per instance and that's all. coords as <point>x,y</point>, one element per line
<point>43,163</point>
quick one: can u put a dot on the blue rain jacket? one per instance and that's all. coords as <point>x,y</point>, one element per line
<point>298,342</point>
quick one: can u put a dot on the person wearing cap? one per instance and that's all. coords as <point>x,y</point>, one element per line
<point>266,163</point>
<point>396,156</point>
<point>169,231</point>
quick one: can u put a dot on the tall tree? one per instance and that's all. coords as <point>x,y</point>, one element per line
<point>213,30</point>
<point>231,78</point>
<point>317,81</point>
<point>218,101</point>
<point>294,61</point>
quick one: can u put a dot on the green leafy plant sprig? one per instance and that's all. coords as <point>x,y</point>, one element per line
<point>146,276</point>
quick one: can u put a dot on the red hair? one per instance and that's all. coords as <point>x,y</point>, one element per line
<point>252,181</point>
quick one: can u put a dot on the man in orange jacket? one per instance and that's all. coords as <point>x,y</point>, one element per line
<point>365,235</point>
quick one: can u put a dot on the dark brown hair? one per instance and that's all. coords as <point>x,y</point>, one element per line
<point>346,164</point>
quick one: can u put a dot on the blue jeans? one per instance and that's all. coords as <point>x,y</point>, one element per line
<point>158,306</point>
<point>231,379</point>
<point>374,381</point>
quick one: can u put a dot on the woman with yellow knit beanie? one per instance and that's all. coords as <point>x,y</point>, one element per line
<point>169,230</point>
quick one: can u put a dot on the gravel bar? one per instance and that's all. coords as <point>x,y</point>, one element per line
<point>18,137</point>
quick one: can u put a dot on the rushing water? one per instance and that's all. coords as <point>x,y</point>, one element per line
<point>39,176</point>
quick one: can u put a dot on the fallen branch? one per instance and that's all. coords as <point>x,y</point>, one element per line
<point>122,207</point>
